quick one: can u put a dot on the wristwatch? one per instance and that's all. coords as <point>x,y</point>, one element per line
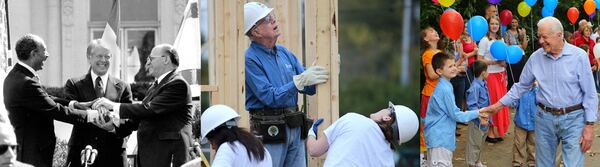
<point>589,123</point>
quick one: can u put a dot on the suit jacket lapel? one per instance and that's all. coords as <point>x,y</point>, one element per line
<point>153,89</point>
<point>112,89</point>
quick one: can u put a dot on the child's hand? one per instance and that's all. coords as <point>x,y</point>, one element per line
<point>484,121</point>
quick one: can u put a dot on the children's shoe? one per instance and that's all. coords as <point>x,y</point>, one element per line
<point>499,139</point>
<point>491,140</point>
<point>479,164</point>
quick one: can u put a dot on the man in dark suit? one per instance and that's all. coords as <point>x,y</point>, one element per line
<point>31,110</point>
<point>108,140</point>
<point>165,114</point>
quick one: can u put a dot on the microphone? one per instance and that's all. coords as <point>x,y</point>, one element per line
<point>93,156</point>
<point>86,154</point>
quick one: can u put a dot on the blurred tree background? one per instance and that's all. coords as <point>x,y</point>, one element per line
<point>370,40</point>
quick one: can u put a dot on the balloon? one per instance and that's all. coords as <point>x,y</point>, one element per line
<point>452,24</point>
<point>597,6</point>
<point>502,29</point>
<point>515,53</point>
<point>446,3</point>
<point>495,2</point>
<point>592,15</point>
<point>530,3</point>
<point>597,51</point>
<point>505,17</point>
<point>573,15</point>
<point>589,6</point>
<point>551,4</point>
<point>435,2</point>
<point>523,9</point>
<point>547,12</point>
<point>499,50</point>
<point>447,9</point>
<point>477,27</point>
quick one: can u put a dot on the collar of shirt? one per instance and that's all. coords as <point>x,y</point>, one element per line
<point>28,68</point>
<point>103,77</point>
<point>159,79</point>
<point>566,51</point>
<point>270,51</point>
<point>479,82</point>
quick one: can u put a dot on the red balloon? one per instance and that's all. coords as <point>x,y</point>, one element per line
<point>452,24</point>
<point>573,15</point>
<point>505,17</point>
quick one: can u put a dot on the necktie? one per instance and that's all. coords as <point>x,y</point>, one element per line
<point>99,87</point>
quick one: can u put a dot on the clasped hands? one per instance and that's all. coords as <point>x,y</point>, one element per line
<point>98,113</point>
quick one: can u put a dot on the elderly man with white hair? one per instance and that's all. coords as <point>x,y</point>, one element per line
<point>567,101</point>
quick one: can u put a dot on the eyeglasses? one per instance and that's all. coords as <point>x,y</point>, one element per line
<point>4,148</point>
<point>150,58</point>
<point>268,19</point>
<point>544,35</point>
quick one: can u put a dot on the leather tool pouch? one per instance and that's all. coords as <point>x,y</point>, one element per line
<point>271,129</point>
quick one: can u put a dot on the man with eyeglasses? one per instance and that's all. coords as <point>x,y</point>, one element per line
<point>355,140</point>
<point>31,110</point>
<point>566,100</point>
<point>274,77</point>
<point>165,130</point>
<point>8,147</point>
<point>108,139</point>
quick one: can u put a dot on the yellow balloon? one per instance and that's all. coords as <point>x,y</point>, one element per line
<point>446,3</point>
<point>523,9</point>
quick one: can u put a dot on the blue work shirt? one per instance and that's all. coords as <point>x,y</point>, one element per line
<point>563,81</point>
<point>478,97</point>
<point>525,115</point>
<point>269,77</point>
<point>442,115</point>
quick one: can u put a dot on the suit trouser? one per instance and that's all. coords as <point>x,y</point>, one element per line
<point>524,147</point>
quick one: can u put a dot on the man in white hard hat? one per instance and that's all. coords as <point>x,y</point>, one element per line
<point>355,140</point>
<point>274,77</point>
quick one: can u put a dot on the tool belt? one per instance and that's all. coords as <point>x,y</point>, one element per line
<point>270,124</point>
<point>560,111</point>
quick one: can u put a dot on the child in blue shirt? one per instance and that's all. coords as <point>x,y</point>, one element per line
<point>478,97</point>
<point>524,141</point>
<point>442,114</point>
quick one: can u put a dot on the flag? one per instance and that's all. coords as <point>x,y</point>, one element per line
<point>110,38</point>
<point>133,65</point>
<point>187,41</point>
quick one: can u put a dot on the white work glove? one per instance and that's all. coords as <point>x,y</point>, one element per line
<point>312,76</point>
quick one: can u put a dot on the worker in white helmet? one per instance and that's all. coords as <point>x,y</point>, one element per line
<point>274,77</point>
<point>355,140</point>
<point>233,145</point>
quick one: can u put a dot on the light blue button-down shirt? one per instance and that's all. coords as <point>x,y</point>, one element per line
<point>563,81</point>
<point>442,115</point>
<point>525,115</point>
<point>478,97</point>
<point>269,77</point>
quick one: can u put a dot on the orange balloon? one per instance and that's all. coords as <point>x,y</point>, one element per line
<point>573,15</point>
<point>589,7</point>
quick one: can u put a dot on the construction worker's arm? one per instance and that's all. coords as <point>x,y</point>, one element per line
<point>316,147</point>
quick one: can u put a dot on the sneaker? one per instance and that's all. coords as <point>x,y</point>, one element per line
<point>479,164</point>
<point>499,139</point>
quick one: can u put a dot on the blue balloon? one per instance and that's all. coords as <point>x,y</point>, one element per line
<point>530,3</point>
<point>448,9</point>
<point>597,4</point>
<point>550,4</point>
<point>547,12</point>
<point>515,54</point>
<point>502,29</point>
<point>477,27</point>
<point>499,50</point>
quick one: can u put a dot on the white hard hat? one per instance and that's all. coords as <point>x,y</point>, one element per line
<point>215,116</point>
<point>254,11</point>
<point>406,122</point>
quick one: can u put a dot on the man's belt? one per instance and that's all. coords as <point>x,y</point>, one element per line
<point>273,111</point>
<point>561,111</point>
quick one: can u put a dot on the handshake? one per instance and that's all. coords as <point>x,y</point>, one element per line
<point>99,113</point>
<point>484,115</point>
